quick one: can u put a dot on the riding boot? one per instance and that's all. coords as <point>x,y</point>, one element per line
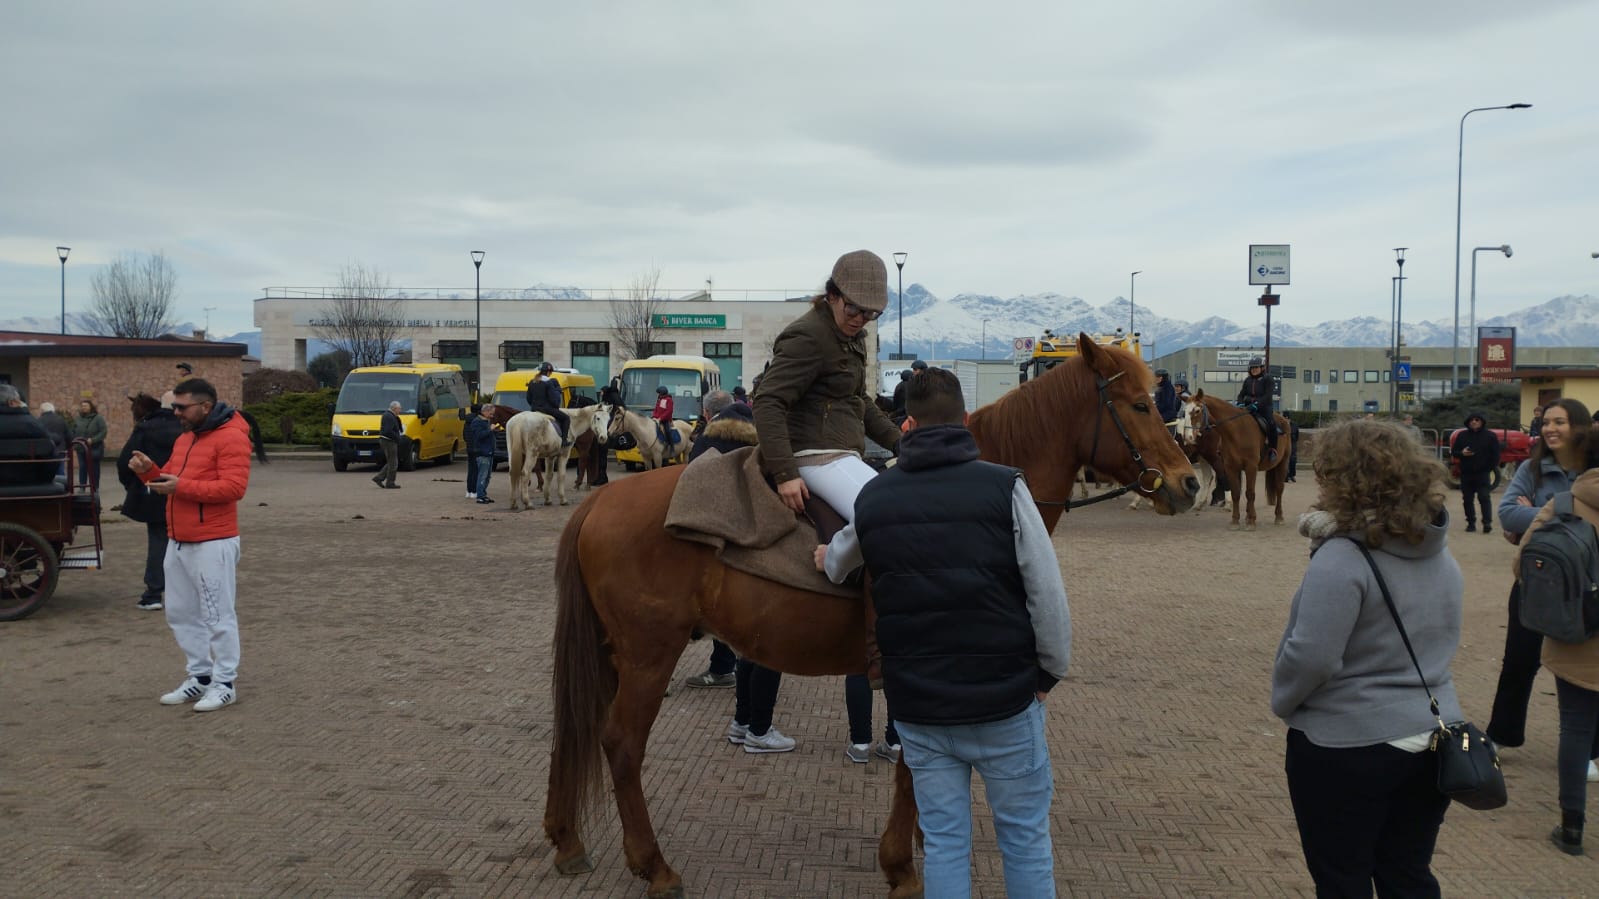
<point>874,654</point>
<point>1568,836</point>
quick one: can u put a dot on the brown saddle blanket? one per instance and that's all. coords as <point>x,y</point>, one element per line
<point>723,501</point>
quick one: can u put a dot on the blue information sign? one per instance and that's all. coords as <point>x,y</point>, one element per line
<point>1402,371</point>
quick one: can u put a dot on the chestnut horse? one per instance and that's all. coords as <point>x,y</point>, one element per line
<point>631,597</point>
<point>1238,453</point>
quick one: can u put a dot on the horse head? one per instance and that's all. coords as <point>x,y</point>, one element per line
<point>601,424</point>
<point>1128,440</point>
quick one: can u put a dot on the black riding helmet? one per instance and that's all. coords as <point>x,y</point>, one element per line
<point>1162,373</point>
<point>661,390</point>
<point>546,367</point>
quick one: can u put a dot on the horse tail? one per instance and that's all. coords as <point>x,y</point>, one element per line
<point>256,440</point>
<point>584,685</point>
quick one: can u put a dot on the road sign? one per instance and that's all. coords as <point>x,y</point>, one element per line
<point>1402,371</point>
<point>1268,263</point>
<point>1022,345</point>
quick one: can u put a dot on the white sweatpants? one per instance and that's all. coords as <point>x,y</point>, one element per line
<point>200,605</point>
<point>838,482</point>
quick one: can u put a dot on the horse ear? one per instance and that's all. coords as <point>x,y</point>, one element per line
<point>1199,394</point>
<point>1095,356</point>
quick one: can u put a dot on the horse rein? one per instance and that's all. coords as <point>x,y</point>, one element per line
<point>1137,484</point>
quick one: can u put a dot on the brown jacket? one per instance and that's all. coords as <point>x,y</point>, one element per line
<point>814,395</point>
<point>1576,663</point>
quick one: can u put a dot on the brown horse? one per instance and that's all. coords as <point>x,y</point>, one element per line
<point>630,598</point>
<point>1238,453</point>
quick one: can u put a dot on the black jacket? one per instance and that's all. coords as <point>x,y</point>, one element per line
<point>153,436</point>
<point>544,395</point>
<point>1484,448</point>
<point>732,428</point>
<point>1166,401</point>
<point>937,532</point>
<point>23,437</point>
<point>1256,391</point>
<point>391,429</point>
<point>56,426</point>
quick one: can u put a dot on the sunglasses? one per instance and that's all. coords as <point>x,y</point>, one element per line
<point>853,311</point>
<point>179,407</point>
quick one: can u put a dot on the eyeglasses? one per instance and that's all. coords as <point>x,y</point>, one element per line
<point>179,407</point>
<point>853,311</point>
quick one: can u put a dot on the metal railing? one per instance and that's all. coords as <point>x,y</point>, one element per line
<point>720,294</point>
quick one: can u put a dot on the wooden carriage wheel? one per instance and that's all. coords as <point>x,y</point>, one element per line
<point>29,567</point>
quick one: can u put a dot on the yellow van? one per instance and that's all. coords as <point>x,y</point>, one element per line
<point>686,378</point>
<point>433,409</point>
<point>510,389</point>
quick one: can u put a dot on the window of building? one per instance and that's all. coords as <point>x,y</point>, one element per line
<point>660,347</point>
<point>1317,373</point>
<point>1332,376</point>
<point>1305,376</point>
<point>1332,405</point>
<point>1216,377</point>
<point>1372,376</point>
<point>716,350</point>
<point>1304,405</point>
<point>1351,376</point>
<point>1387,377</point>
<point>591,348</point>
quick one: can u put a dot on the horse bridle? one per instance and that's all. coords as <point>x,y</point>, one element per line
<point>1154,475</point>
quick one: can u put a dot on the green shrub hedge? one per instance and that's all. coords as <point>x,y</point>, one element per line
<point>312,422</point>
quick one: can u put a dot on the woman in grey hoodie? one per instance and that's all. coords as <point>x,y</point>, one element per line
<point>1362,782</point>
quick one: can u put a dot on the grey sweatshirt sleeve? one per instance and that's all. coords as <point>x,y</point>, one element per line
<point>1046,593</point>
<point>843,554</point>
<point>1320,622</point>
<point>1514,518</point>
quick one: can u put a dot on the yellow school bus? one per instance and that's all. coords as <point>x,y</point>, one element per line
<point>686,378</point>
<point>1050,350</point>
<point>433,406</point>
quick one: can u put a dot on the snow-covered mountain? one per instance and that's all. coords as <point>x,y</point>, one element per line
<point>954,328</point>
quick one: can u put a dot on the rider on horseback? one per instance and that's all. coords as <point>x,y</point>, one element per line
<point>544,395</point>
<point>1166,402</point>
<point>662,413</point>
<point>1255,395</point>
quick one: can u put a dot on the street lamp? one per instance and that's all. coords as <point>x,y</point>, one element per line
<point>1460,158</point>
<point>1471,376</point>
<point>1399,329</point>
<point>985,338</point>
<point>208,311</point>
<point>477,318</point>
<point>899,262</point>
<point>62,252</point>
<point>1132,291</point>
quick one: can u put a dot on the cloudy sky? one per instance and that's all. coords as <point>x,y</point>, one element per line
<point>1009,148</point>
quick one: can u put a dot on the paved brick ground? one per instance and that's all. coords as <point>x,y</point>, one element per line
<point>392,733</point>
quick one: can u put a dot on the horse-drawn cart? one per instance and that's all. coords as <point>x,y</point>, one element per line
<point>39,522</point>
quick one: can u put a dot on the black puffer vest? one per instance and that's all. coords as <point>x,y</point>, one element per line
<point>937,533</point>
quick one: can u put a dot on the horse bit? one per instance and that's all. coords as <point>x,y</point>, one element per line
<point>1155,477</point>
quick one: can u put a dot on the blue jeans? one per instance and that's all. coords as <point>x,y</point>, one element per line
<point>1013,758</point>
<point>485,467</point>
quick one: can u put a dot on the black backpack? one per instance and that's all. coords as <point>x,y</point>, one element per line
<point>1559,571</point>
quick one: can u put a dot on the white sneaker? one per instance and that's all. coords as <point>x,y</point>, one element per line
<point>1593,773</point>
<point>188,691</point>
<point>736,733</point>
<point>216,696</point>
<point>771,741</point>
<point>471,495</point>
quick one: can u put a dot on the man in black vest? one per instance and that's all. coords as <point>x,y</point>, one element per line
<point>974,629</point>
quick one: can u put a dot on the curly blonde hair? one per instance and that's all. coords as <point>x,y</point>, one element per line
<point>1378,481</point>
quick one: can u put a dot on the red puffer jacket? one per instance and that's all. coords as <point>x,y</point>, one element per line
<point>213,468</point>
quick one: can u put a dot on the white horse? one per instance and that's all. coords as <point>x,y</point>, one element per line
<point>1190,430</point>
<point>644,433</point>
<point>532,438</point>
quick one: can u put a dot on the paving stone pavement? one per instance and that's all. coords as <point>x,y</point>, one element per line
<point>392,731</point>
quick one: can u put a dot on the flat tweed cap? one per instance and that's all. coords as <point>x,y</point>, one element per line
<point>863,278</point>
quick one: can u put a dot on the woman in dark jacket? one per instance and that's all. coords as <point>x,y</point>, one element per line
<point>90,425</point>
<point>154,433</point>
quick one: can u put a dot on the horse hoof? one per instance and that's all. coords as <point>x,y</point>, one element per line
<point>1250,527</point>
<point>578,864</point>
<point>909,891</point>
<point>1233,526</point>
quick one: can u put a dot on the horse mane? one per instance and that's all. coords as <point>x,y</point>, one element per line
<point>1031,415</point>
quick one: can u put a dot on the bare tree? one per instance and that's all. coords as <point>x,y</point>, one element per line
<point>363,319</point>
<point>633,315</point>
<point>133,296</point>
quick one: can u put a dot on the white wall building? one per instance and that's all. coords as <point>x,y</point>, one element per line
<point>521,333</point>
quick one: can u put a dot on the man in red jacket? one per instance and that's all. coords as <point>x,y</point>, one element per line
<point>203,482</point>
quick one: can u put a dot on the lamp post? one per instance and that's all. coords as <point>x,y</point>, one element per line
<point>1471,376</point>
<point>1399,328</point>
<point>985,339</point>
<point>208,311</point>
<point>477,317</point>
<point>899,262</point>
<point>62,252</point>
<point>1460,159</point>
<point>1132,291</point>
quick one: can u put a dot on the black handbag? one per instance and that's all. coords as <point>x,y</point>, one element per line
<point>1468,765</point>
